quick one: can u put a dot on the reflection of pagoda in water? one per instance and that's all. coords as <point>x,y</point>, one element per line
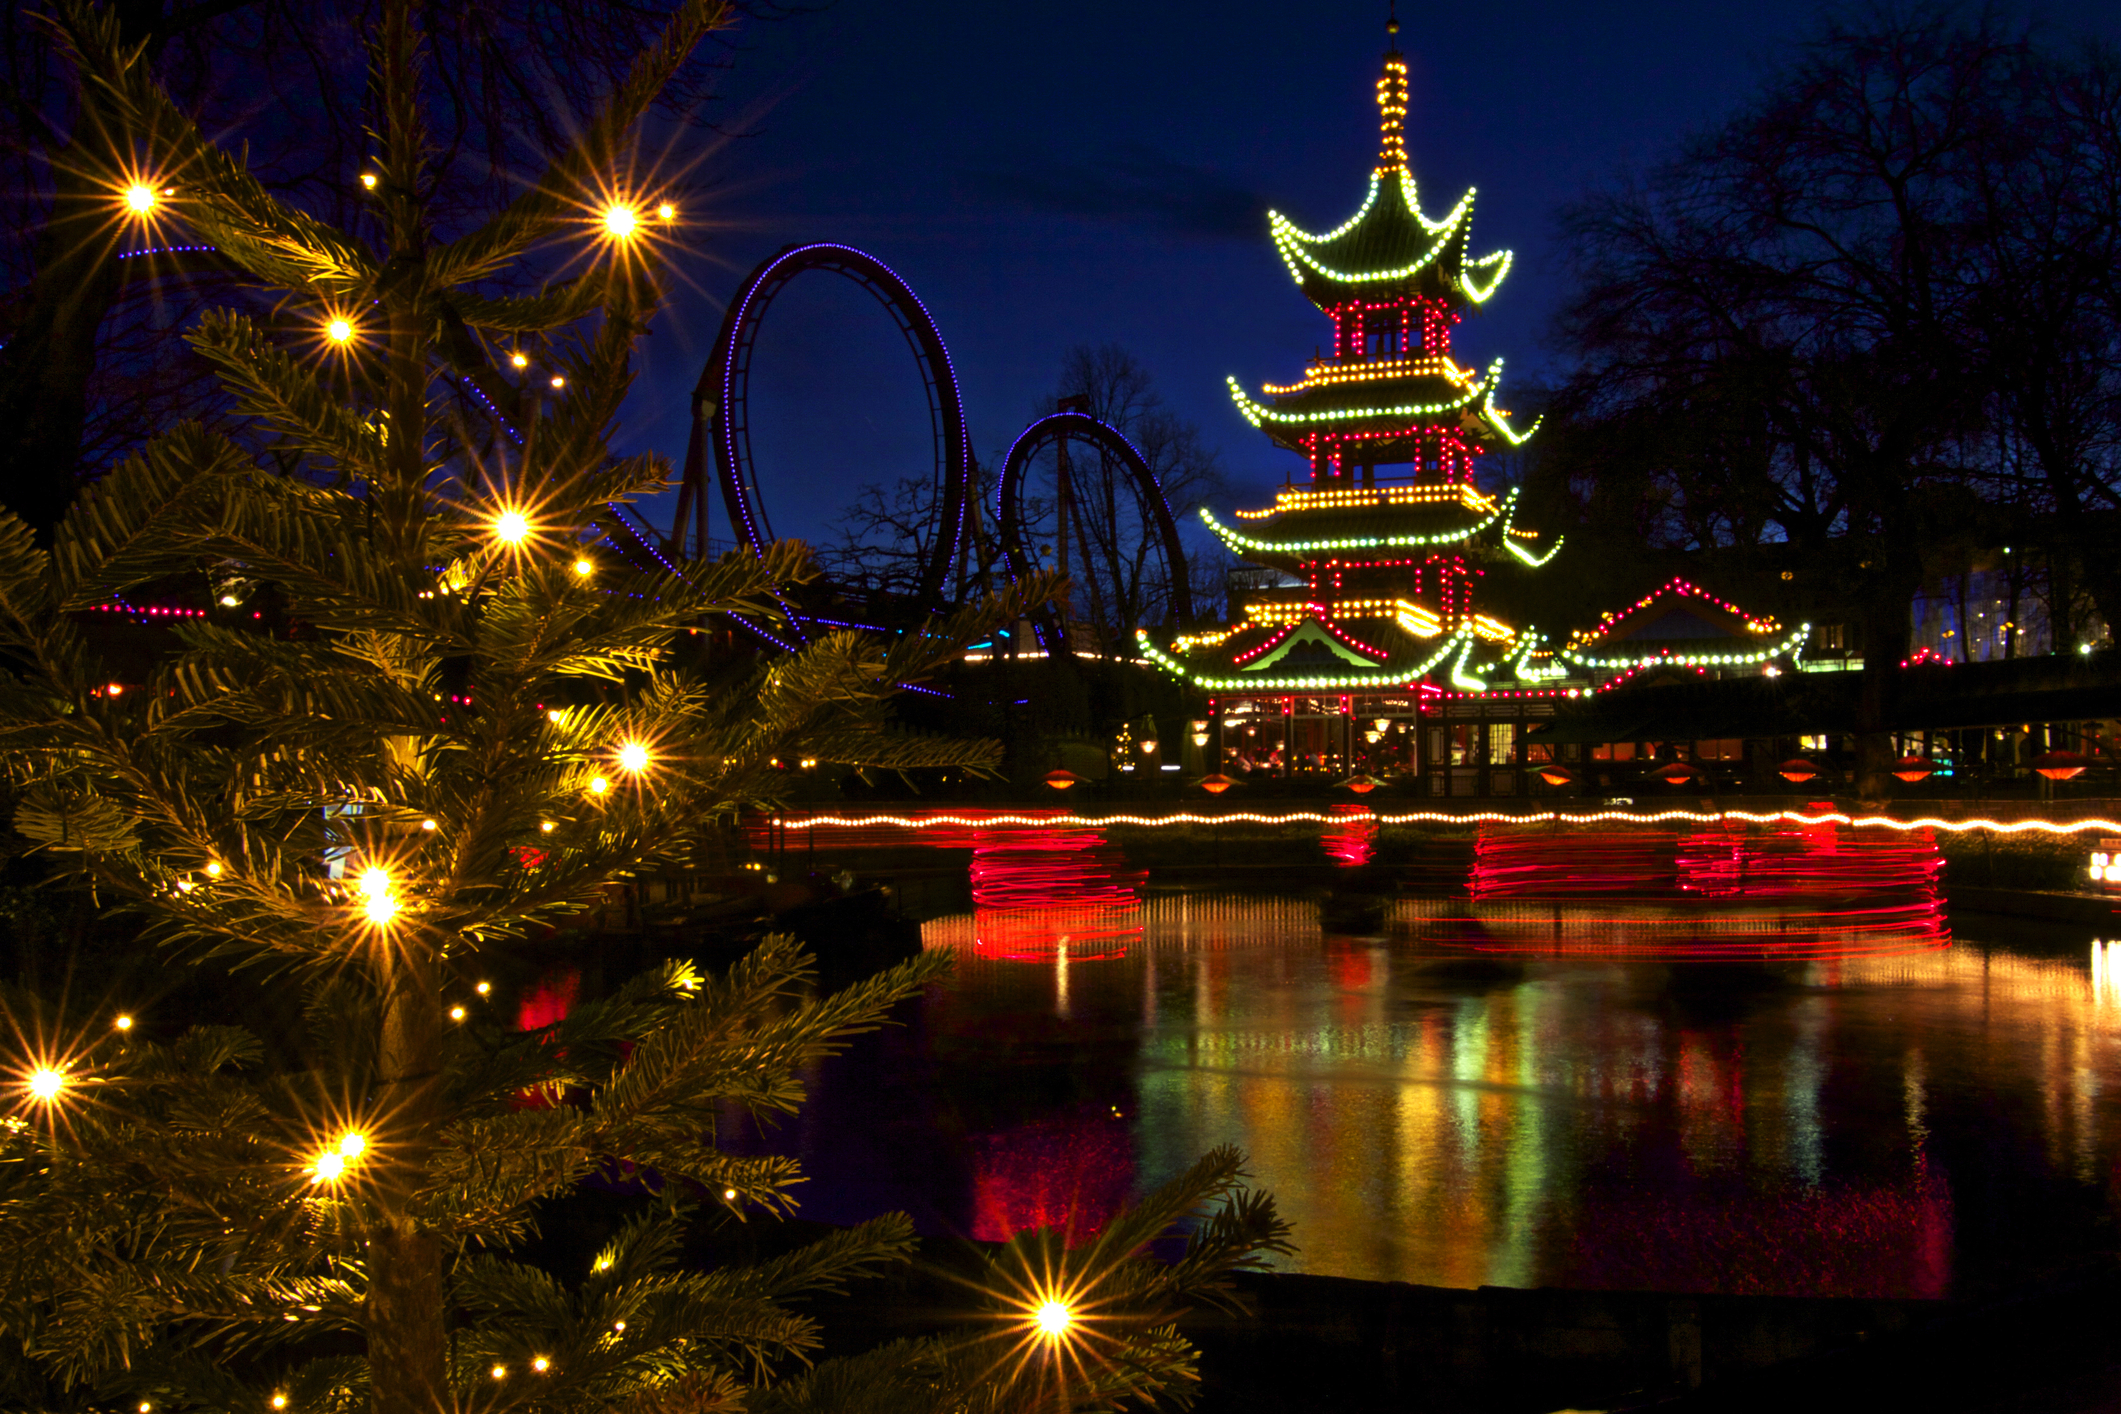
<point>1383,556</point>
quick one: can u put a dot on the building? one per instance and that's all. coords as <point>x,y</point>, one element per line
<point>1371,649</point>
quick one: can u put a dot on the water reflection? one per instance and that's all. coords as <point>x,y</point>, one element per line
<point>1861,1124</point>
<point>1722,889</point>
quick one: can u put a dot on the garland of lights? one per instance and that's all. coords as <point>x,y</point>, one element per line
<point>1509,528</point>
<point>1375,371</point>
<point>1256,413</point>
<point>1483,392</point>
<point>1441,817</point>
<point>1288,640</point>
<point>1607,622</point>
<point>1294,243</point>
<point>1288,502</point>
<point>1460,678</point>
<point>1535,561</point>
<point>1790,645</point>
<point>1237,540</point>
<point>1310,684</point>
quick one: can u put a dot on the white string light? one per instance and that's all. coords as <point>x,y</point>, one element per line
<point>1442,817</point>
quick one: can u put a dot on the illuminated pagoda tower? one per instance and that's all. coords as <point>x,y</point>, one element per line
<point>1375,621</point>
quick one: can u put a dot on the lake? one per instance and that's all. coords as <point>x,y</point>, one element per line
<point>1922,1113</point>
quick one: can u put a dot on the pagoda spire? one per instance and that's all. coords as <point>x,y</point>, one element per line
<point>1392,103</point>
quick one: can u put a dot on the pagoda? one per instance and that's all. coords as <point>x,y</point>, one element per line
<point>1367,614</point>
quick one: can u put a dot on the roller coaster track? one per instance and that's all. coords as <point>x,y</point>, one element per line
<point>721,427</point>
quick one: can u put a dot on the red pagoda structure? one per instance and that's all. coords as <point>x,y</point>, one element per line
<point>1369,652</point>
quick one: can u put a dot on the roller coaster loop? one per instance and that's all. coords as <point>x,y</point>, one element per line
<point>721,427</point>
<point>1083,427</point>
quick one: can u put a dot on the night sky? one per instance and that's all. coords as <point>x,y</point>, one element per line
<point>1049,174</point>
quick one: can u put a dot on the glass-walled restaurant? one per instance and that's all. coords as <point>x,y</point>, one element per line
<point>1440,745</point>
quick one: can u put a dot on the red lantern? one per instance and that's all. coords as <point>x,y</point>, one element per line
<point>1676,773</point>
<point>1797,770</point>
<point>1361,785</point>
<point>2061,765</point>
<point>1556,775</point>
<point>1216,784</point>
<point>1913,768</point>
<point>1062,779</point>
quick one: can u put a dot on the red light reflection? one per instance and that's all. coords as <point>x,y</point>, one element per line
<point>1352,837</point>
<point>1724,889</point>
<point>1036,894</point>
<point>1070,1172</point>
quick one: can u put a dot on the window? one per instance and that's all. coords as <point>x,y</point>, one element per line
<point>1502,743</point>
<point>1720,749</point>
<point>1380,333</point>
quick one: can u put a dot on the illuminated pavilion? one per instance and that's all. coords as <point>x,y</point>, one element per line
<point>1371,653</point>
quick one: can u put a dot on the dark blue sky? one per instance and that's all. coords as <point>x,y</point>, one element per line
<point>1046,174</point>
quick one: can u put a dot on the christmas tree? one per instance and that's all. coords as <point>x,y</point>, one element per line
<point>429,711</point>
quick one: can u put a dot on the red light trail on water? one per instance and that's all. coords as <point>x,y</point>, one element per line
<point>1351,839</point>
<point>1719,889</point>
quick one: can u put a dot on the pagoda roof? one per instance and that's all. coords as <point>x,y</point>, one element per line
<point>1682,623</point>
<point>1407,393</point>
<point>1320,522</point>
<point>1389,248</point>
<point>1372,653</point>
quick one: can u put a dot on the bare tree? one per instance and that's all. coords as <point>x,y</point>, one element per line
<point>1119,575</point>
<point>1793,296</point>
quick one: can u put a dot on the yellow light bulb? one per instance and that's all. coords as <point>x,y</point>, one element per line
<point>500,1372</point>
<point>541,1364</point>
<point>555,716</point>
<point>279,1401</point>
<point>140,198</point>
<point>375,879</point>
<point>584,568</point>
<point>456,1013</point>
<point>558,381</point>
<point>547,827</point>
<point>339,331</point>
<point>1054,1318</point>
<point>329,1168</point>
<point>729,1195</point>
<point>633,756</point>
<point>123,1023</point>
<point>380,908</point>
<point>620,221</point>
<point>666,211</point>
<point>598,785</point>
<point>368,179</point>
<point>484,988</point>
<point>213,868</point>
<point>520,360</point>
<point>352,1144</point>
<point>45,1083</point>
<point>428,825</point>
<point>511,528</point>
